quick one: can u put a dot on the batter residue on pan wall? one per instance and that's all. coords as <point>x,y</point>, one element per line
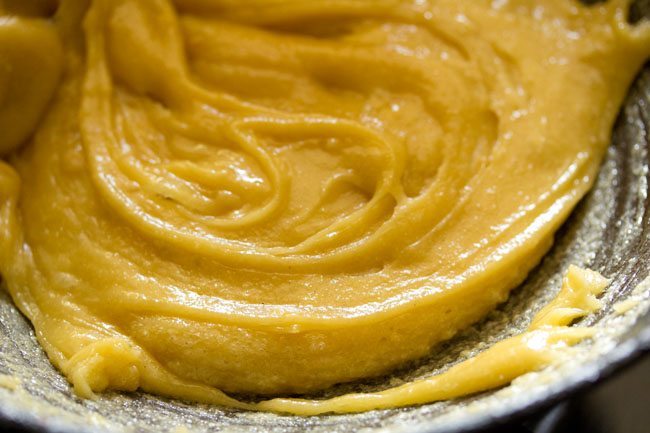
<point>272,197</point>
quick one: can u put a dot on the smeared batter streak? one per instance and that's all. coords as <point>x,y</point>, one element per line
<point>548,334</point>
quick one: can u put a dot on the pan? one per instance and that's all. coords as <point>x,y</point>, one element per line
<point>609,232</point>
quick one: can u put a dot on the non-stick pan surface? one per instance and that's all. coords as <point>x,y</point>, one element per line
<point>608,232</point>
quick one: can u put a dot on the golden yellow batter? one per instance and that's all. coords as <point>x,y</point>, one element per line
<point>273,196</point>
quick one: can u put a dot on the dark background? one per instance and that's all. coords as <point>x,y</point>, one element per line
<point>620,404</point>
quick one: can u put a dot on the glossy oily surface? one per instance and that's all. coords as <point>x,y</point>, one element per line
<point>250,203</point>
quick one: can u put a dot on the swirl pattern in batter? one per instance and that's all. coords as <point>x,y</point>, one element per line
<point>276,196</point>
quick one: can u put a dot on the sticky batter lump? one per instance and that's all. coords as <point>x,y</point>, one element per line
<point>201,197</point>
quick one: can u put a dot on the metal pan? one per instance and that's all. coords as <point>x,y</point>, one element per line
<point>608,232</point>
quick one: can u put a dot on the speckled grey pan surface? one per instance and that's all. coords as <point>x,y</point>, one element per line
<point>609,232</point>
